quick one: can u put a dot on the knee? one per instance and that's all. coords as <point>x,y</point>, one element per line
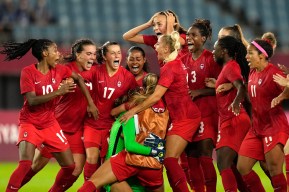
<point>92,158</point>
<point>77,170</point>
<point>243,169</point>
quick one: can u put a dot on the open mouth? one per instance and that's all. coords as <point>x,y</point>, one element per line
<point>135,68</point>
<point>158,34</point>
<point>116,62</point>
<point>190,45</point>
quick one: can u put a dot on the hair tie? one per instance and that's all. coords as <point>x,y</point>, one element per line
<point>268,41</point>
<point>260,48</point>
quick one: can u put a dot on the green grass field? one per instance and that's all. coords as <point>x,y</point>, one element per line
<point>44,179</point>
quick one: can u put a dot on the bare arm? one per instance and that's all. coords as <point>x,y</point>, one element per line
<point>34,99</point>
<point>133,34</point>
<point>241,91</point>
<point>277,100</point>
<point>91,109</point>
<point>202,92</point>
<point>117,110</point>
<point>152,99</point>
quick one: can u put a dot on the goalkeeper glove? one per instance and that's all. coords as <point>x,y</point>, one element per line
<point>158,154</point>
<point>154,141</point>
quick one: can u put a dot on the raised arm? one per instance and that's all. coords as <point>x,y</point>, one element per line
<point>133,34</point>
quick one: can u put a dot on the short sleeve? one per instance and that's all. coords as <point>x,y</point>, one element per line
<point>26,82</point>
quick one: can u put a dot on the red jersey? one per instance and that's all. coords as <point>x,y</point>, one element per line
<point>173,75</point>
<point>32,80</point>
<point>151,40</point>
<point>139,82</point>
<point>230,73</point>
<point>106,90</point>
<point>70,117</point>
<point>262,90</point>
<point>198,70</point>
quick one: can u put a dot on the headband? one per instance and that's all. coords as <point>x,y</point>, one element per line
<point>260,48</point>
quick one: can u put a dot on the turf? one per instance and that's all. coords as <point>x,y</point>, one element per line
<point>44,179</point>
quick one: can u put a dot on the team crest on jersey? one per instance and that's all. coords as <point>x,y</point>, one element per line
<point>184,67</point>
<point>119,84</point>
<point>25,134</point>
<point>259,81</point>
<point>53,80</point>
<point>202,66</point>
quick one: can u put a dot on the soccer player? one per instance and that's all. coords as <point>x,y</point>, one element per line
<point>69,117</point>
<point>39,85</point>
<point>110,81</point>
<point>200,65</point>
<point>234,122</point>
<point>163,22</point>
<point>134,160</point>
<point>184,114</point>
<point>235,31</point>
<point>267,137</point>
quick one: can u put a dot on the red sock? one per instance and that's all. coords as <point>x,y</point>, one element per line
<point>197,176</point>
<point>229,181</point>
<point>240,182</point>
<point>88,186</point>
<point>253,182</point>
<point>70,182</point>
<point>279,183</point>
<point>185,166</point>
<point>176,175</point>
<point>89,169</point>
<point>63,178</point>
<point>287,168</point>
<point>28,177</point>
<point>209,172</point>
<point>18,175</point>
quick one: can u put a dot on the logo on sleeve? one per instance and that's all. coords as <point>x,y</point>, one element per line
<point>37,82</point>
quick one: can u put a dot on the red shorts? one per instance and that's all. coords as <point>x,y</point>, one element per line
<point>257,146</point>
<point>208,129</point>
<point>151,178</point>
<point>52,137</point>
<point>233,131</point>
<point>185,128</point>
<point>96,138</point>
<point>75,141</point>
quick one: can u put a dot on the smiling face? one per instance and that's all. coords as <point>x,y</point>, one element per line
<point>160,24</point>
<point>194,39</point>
<point>113,57</point>
<point>86,57</point>
<point>135,62</point>
<point>52,55</point>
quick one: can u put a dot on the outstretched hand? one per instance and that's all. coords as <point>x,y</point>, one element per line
<point>281,80</point>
